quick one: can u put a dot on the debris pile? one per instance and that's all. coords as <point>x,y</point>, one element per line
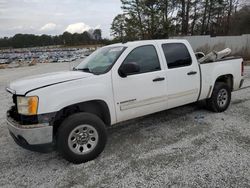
<point>213,56</point>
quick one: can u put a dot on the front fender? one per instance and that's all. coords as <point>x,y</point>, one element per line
<point>56,97</point>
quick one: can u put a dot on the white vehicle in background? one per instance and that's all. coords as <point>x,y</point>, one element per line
<point>70,111</point>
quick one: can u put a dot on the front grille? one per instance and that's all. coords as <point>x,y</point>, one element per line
<point>22,119</point>
<point>14,114</point>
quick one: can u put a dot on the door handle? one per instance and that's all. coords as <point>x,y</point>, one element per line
<point>158,79</point>
<point>192,73</point>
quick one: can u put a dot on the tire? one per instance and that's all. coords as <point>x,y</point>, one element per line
<point>81,137</point>
<point>220,98</point>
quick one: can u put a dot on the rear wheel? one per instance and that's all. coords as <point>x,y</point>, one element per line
<point>220,98</point>
<point>81,137</point>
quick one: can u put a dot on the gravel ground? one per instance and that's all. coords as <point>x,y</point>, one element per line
<point>183,147</point>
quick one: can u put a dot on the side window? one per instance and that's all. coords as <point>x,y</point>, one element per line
<point>146,57</point>
<point>177,55</point>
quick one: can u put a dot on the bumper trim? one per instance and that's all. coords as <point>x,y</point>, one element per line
<point>33,135</point>
<point>42,148</point>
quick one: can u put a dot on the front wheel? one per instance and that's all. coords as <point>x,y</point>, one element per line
<point>81,137</point>
<point>220,98</point>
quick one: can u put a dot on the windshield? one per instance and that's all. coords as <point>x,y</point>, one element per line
<point>100,61</point>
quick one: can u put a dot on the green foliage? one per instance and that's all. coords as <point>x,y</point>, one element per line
<point>241,22</point>
<point>97,34</point>
<point>156,19</point>
<point>30,40</point>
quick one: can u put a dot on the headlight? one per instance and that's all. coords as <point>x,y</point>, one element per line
<point>27,105</point>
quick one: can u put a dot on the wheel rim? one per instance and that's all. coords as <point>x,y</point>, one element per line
<point>83,139</point>
<point>222,98</point>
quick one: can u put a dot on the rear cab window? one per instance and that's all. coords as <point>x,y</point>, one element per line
<point>177,55</point>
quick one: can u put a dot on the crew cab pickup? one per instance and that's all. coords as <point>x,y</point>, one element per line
<point>70,111</point>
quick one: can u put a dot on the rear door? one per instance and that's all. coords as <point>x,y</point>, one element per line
<point>143,92</point>
<point>182,73</point>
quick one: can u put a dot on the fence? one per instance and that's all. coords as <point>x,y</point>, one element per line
<point>240,45</point>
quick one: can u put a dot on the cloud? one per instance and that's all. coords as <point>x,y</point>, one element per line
<point>48,27</point>
<point>59,14</point>
<point>19,27</point>
<point>37,13</point>
<point>98,27</point>
<point>78,28</point>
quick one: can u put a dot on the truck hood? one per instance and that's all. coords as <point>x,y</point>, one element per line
<point>24,85</point>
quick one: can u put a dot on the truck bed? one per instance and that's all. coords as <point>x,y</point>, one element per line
<point>212,70</point>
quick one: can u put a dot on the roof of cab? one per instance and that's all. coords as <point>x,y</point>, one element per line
<point>145,42</point>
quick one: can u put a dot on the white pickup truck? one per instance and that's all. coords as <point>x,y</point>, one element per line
<point>70,111</point>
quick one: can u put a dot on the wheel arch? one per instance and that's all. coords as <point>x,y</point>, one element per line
<point>227,78</point>
<point>96,107</point>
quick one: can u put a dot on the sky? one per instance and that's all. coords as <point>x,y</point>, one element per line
<point>53,17</point>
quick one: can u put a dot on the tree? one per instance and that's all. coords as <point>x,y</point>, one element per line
<point>194,16</point>
<point>97,34</point>
<point>229,15</point>
<point>240,21</point>
<point>66,37</point>
<point>151,19</point>
<point>118,27</point>
<point>134,8</point>
<point>30,40</point>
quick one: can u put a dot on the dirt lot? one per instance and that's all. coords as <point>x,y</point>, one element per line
<point>182,147</point>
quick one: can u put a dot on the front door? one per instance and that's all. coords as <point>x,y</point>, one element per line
<point>143,92</point>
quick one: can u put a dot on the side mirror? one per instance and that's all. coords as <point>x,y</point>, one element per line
<point>128,68</point>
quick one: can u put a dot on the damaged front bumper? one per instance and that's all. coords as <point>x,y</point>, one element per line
<point>37,137</point>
